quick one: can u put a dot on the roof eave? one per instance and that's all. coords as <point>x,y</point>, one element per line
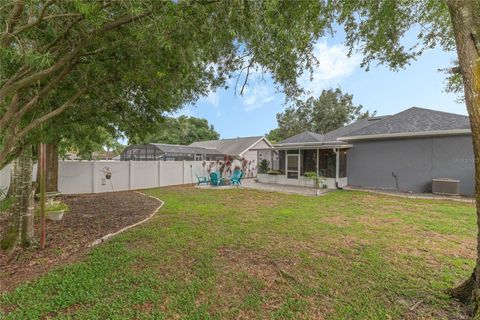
<point>318,145</point>
<point>453,132</point>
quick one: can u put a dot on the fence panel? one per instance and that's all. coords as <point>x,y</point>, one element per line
<point>171,173</point>
<point>120,179</point>
<point>75,177</point>
<point>144,174</point>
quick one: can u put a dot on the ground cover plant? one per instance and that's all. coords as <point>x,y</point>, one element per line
<point>238,253</point>
<point>90,217</point>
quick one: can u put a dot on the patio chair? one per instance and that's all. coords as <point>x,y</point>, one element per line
<point>215,179</point>
<point>236,178</point>
<point>202,179</point>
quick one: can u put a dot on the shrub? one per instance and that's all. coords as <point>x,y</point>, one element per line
<point>263,166</point>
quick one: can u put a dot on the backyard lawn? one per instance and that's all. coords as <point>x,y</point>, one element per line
<point>245,254</point>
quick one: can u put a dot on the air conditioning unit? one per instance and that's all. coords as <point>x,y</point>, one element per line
<point>446,186</point>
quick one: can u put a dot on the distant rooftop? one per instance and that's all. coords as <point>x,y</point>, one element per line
<point>233,147</point>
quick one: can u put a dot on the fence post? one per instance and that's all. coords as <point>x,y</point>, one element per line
<point>130,175</point>
<point>183,171</point>
<point>159,173</point>
<point>94,177</point>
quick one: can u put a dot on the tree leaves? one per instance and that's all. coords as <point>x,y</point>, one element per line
<point>332,110</point>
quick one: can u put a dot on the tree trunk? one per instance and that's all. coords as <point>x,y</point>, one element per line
<point>51,177</point>
<point>21,212</point>
<point>466,26</point>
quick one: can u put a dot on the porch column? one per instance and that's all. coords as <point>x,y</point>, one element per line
<point>318,160</point>
<point>271,160</point>
<point>337,164</point>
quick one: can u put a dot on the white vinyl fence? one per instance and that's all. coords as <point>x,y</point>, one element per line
<point>89,176</point>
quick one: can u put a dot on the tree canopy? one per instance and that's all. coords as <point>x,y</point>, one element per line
<point>140,58</point>
<point>181,130</point>
<point>331,110</point>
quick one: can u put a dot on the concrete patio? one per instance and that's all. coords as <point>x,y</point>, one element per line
<point>306,191</point>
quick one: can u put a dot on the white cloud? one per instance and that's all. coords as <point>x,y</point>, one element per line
<point>213,98</point>
<point>258,91</point>
<point>257,95</point>
<point>334,66</point>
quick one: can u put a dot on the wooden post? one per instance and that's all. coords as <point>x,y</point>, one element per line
<point>42,168</point>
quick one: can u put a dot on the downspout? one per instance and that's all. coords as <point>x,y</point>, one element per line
<point>337,168</point>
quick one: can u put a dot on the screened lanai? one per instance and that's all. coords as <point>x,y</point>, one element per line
<point>169,152</point>
<point>309,152</point>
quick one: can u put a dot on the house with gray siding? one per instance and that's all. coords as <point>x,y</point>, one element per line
<point>404,151</point>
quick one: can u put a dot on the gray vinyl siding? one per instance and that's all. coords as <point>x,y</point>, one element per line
<point>415,162</point>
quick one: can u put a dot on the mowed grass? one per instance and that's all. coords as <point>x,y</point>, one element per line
<point>245,254</point>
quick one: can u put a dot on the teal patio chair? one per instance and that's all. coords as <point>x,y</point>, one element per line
<point>202,179</point>
<point>215,179</point>
<point>236,178</point>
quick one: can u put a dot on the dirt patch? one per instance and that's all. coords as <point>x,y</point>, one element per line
<point>91,216</point>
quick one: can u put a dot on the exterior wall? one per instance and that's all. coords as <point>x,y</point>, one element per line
<point>301,181</point>
<point>271,156</point>
<point>251,157</point>
<point>415,162</point>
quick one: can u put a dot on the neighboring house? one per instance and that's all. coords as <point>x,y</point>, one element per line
<point>404,151</point>
<point>212,150</point>
<point>246,147</point>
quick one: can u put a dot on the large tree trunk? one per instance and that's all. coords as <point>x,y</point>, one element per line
<point>21,212</point>
<point>465,16</point>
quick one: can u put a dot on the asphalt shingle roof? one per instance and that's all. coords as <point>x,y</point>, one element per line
<point>415,120</point>
<point>232,147</point>
<point>331,137</point>
<point>411,120</point>
<point>306,136</point>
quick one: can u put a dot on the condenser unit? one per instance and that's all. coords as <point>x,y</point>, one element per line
<point>446,186</point>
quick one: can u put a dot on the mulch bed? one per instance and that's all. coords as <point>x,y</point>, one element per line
<point>91,216</point>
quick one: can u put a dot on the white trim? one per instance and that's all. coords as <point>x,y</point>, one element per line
<point>248,149</point>
<point>407,134</point>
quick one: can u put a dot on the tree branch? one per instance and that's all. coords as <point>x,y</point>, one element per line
<point>28,80</point>
<point>43,92</point>
<point>15,15</point>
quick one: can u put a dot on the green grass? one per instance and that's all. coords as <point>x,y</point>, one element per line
<point>244,254</point>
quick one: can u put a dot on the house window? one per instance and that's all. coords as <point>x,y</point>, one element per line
<point>198,157</point>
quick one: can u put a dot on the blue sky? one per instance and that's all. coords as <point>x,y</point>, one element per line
<point>380,89</point>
